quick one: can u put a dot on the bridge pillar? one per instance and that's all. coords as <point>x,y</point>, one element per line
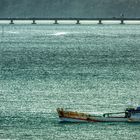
<point>122,21</point>
<point>11,22</point>
<point>78,22</point>
<point>122,18</point>
<point>33,22</point>
<point>100,21</point>
<point>55,22</point>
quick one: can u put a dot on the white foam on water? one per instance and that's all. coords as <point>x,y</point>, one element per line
<point>12,32</point>
<point>60,33</point>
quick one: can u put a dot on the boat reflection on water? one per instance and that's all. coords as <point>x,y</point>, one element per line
<point>129,115</point>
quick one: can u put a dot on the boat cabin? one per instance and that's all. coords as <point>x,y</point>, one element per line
<point>132,112</point>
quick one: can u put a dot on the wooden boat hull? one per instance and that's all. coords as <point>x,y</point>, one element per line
<point>72,120</point>
<point>69,116</point>
<point>95,119</point>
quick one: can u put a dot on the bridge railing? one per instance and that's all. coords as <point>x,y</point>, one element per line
<point>121,19</point>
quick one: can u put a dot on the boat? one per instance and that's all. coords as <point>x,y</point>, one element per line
<point>129,115</point>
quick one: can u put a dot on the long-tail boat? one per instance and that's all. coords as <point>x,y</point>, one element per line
<point>129,115</point>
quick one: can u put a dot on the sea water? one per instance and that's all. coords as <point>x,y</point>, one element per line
<point>86,68</point>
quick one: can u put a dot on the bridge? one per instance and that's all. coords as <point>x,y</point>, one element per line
<point>33,20</point>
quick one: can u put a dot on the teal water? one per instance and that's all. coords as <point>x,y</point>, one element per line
<point>87,68</point>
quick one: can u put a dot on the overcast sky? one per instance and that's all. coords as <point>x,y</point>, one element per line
<point>69,8</point>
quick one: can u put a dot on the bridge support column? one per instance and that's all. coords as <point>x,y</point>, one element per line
<point>78,22</point>
<point>55,22</point>
<point>11,22</point>
<point>100,21</point>
<point>33,22</point>
<point>122,21</point>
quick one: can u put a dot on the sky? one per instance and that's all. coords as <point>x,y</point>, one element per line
<point>69,8</point>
